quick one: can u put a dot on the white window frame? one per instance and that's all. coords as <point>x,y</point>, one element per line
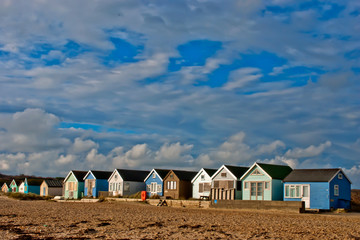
<point>340,176</point>
<point>154,175</point>
<point>202,177</point>
<point>224,175</point>
<point>336,190</point>
<point>153,187</point>
<point>256,172</point>
<point>247,185</point>
<point>268,185</point>
<point>297,188</point>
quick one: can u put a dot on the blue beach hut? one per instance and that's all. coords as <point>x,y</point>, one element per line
<point>96,181</point>
<point>154,182</point>
<point>318,188</point>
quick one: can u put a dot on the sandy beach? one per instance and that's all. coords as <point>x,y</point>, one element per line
<point>116,220</point>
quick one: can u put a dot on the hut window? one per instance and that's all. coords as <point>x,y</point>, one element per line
<point>154,175</point>
<point>207,187</point>
<point>230,185</point>
<point>267,185</point>
<point>70,186</point>
<point>287,191</point>
<point>171,176</point>
<point>336,190</point>
<point>293,191</point>
<point>153,187</point>
<point>171,185</point>
<point>202,177</point>
<point>158,188</point>
<point>223,174</point>
<point>148,188</point>
<point>246,185</point>
<point>216,184</point>
<point>201,187</point>
<point>340,176</point>
<point>256,172</point>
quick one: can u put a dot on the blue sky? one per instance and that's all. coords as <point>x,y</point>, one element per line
<point>179,84</point>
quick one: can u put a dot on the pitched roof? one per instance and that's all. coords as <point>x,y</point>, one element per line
<point>210,171</point>
<point>311,175</point>
<point>7,184</point>
<point>236,170</point>
<point>17,182</point>
<point>34,181</point>
<point>101,174</point>
<point>53,183</point>
<point>162,172</point>
<point>79,175</point>
<point>276,171</point>
<point>185,175</point>
<point>132,175</point>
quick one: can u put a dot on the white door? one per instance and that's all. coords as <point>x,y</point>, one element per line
<point>306,195</point>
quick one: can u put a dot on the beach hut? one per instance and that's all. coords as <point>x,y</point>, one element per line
<point>154,182</point>
<point>226,183</point>
<point>95,182</point>
<point>264,182</point>
<point>318,188</point>
<point>177,184</point>
<point>201,183</point>
<point>31,185</point>
<point>51,187</point>
<point>14,185</point>
<point>6,187</point>
<point>74,184</point>
<point>126,182</point>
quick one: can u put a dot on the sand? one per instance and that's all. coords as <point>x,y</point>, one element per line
<point>117,220</point>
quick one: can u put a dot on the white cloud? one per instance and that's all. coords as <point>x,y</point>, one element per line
<point>271,147</point>
<point>281,160</point>
<point>310,151</point>
<point>30,130</point>
<point>133,158</point>
<point>354,174</point>
<point>241,77</point>
<point>66,159</point>
<point>172,152</point>
<point>81,145</point>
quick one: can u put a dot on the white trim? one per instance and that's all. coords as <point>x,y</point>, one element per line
<point>71,172</point>
<point>116,171</point>
<point>90,171</point>
<point>249,170</point>
<point>153,170</point>
<point>113,174</point>
<point>340,170</point>
<point>221,168</point>
<point>198,174</point>
<point>294,186</point>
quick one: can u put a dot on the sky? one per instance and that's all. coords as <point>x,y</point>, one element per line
<point>179,84</point>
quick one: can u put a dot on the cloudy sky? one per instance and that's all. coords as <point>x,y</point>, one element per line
<point>179,84</point>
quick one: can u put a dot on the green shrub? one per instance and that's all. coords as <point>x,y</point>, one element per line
<point>155,196</point>
<point>29,196</point>
<point>135,195</point>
